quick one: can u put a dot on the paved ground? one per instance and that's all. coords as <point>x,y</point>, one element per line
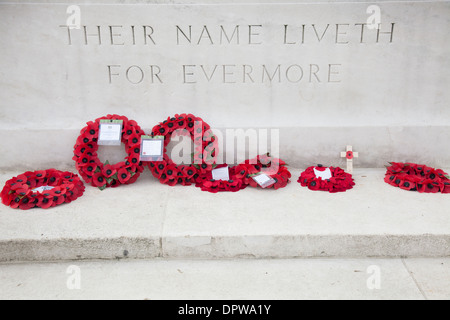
<point>229,279</point>
<point>148,220</point>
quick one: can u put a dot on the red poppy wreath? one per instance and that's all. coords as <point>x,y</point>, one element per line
<point>204,156</point>
<point>100,175</point>
<point>274,168</point>
<point>326,179</point>
<point>234,184</point>
<point>42,189</point>
<point>415,177</point>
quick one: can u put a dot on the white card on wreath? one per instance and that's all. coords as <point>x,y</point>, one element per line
<point>325,175</point>
<point>221,174</point>
<point>152,148</point>
<point>263,180</point>
<point>110,132</point>
<point>42,189</point>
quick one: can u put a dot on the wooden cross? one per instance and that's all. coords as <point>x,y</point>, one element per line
<point>349,154</point>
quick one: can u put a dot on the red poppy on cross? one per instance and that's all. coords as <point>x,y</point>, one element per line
<point>349,154</point>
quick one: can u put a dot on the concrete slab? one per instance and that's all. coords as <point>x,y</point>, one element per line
<point>148,220</point>
<point>432,276</point>
<point>373,219</point>
<point>205,280</point>
<point>107,224</point>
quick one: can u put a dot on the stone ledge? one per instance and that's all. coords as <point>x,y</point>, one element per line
<point>148,220</point>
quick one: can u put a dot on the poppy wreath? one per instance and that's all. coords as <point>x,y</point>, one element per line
<point>340,180</point>
<point>415,177</point>
<point>204,157</point>
<point>100,175</point>
<point>62,187</point>
<point>207,183</point>
<point>273,167</point>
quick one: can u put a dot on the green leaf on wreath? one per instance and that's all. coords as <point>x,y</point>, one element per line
<point>97,170</point>
<point>115,176</point>
<point>109,180</point>
<point>214,165</point>
<point>106,163</point>
<point>196,166</point>
<point>102,188</point>
<point>132,173</point>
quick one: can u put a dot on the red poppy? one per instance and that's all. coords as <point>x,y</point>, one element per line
<point>189,171</point>
<point>99,180</point>
<point>407,185</point>
<point>91,132</point>
<point>123,175</point>
<point>108,171</point>
<point>445,188</point>
<point>45,202</point>
<point>171,172</point>
<point>128,132</point>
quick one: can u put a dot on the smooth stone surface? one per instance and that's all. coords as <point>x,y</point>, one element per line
<point>390,103</point>
<point>96,225</point>
<point>432,276</point>
<point>205,280</point>
<point>150,220</point>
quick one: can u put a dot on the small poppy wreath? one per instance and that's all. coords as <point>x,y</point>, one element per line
<point>273,167</point>
<point>42,189</point>
<point>100,175</point>
<point>340,181</point>
<point>204,157</point>
<point>207,183</point>
<point>415,177</point>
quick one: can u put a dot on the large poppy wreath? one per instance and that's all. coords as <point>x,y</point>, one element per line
<point>340,181</point>
<point>272,167</point>
<point>42,189</point>
<point>416,177</point>
<point>204,156</point>
<point>100,175</point>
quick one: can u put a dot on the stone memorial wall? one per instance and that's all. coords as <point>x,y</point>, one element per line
<point>314,77</point>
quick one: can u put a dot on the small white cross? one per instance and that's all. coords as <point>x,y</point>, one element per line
<point>349,154</point>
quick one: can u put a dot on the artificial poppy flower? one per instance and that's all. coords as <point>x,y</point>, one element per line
<point>128,132</point>
<point>24,192</point>
<point>99,180</point>
<point>445,188</point>
<point>430,186</point>
<point>124,175</point>
<point>171,172</point>
<point>45,202</point>
<point>204,167</point>
<point>27,203</point>
<point>189,171</point>
<point>134,140</point>
<point>108,171</point>
<point>91,132</point>
<point>407,185</point>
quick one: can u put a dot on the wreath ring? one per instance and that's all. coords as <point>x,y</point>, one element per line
<point>274,168</point>
<point>340,181</point>
<point>204,156</point>
<point>416,177</point>
<point>100,175</point>
<point>42,189</point>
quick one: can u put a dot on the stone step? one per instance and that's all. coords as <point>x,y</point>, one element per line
<point>240,279</point>
<point>147,220</point>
